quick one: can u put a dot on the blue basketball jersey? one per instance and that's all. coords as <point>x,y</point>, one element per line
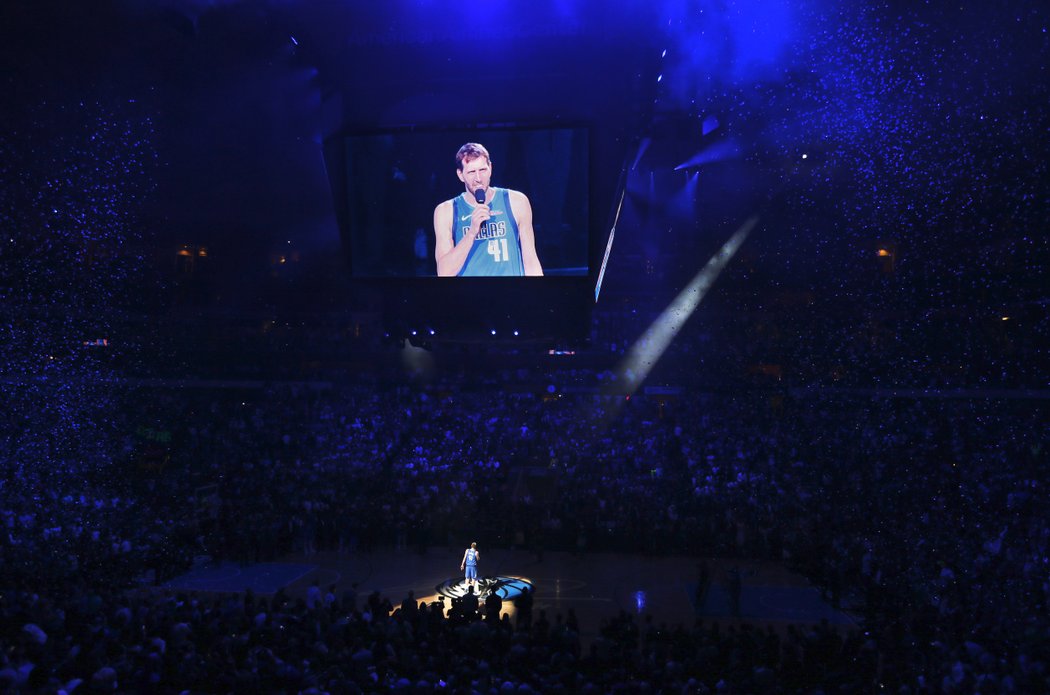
<point>497,248</point>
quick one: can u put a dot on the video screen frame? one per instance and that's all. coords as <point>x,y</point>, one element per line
<point>389,181</point>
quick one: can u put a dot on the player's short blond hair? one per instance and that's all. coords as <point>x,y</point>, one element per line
<point>471,151</point>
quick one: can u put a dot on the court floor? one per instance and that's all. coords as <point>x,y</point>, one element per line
<point>596,586</point>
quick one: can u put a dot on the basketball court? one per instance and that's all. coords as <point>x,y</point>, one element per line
<point>595,586</point>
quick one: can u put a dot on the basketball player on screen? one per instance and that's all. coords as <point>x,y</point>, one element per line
<point>484,231</point>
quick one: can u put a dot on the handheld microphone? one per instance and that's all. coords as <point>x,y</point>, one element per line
<point>479,195</point>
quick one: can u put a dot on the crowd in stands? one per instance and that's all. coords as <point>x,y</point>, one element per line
<point>923,517</point>
<point>105,641</point>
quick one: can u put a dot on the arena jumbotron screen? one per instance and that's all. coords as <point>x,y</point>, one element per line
<point>483,202</point>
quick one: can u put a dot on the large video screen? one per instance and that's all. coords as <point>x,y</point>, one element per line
<point>420,204</point>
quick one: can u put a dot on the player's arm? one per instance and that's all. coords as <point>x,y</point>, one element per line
<point>463,562</point>
<point>519,202</point>
<point>449,255</point>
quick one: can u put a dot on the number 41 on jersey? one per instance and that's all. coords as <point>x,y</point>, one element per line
<point>497,248</point>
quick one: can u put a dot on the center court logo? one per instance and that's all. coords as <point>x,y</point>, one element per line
<point>507,588</point>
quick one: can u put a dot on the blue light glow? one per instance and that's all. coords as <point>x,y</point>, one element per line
<point>718,152</point>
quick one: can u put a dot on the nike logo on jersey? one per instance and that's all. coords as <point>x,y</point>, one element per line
<point>464,218</point>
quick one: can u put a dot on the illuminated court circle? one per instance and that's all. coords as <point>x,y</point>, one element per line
<point>507,588</point>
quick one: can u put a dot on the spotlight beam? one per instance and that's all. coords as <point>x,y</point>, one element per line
<point>648,349</point>
<point>719,152</point>
<point>641,151</point>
